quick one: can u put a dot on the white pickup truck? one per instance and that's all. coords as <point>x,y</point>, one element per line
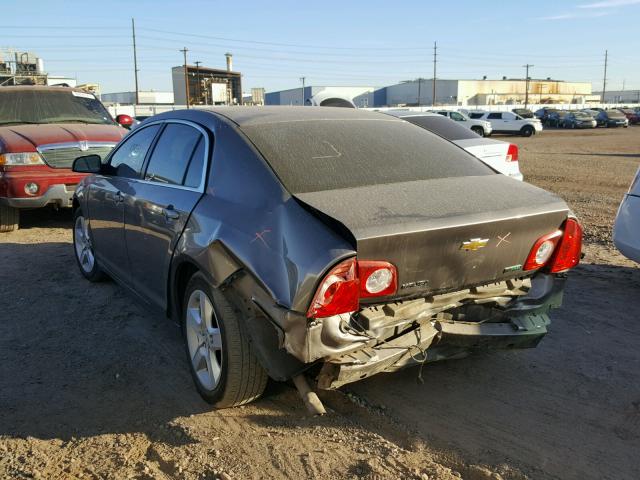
<point>481,127</point>
<point>509,122</point>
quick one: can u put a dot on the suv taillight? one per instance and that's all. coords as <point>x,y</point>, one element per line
<point>558,251</point>
<point>512,153</point>
<point>342,288</point>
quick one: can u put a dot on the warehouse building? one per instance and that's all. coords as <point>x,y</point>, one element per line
<point>323,95</point>
<point>448,92</point>
<point>620,96</point>
<point>145,97</point>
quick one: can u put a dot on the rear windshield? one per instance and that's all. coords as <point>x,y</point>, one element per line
<point>615,114</point>
<point>50,106</point>
<point>442,126</point>
<point>317,155</point>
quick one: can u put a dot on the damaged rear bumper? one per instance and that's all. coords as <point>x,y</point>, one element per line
<point>386,338</point>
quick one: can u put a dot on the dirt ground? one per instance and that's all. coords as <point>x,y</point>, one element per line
<point>93,386</point>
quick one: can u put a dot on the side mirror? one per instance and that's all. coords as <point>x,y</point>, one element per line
<point>87,164</point>
<point>125,120</point>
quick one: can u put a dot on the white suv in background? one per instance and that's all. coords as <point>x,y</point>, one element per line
<point>481,127</point>
<point>509,122</point>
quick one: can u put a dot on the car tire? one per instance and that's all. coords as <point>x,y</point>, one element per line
<point>83,249</point>
<point>527,131</point>
<point>478,130</point>
<point>9,218</point>
<point>220,355</point>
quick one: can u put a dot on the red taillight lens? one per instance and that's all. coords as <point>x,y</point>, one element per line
<point>348,282</point>
<point>377,278</point>
<point>567,253</point>
<point>512,153</point>
<point>542,251</point>
<point>338,292</point>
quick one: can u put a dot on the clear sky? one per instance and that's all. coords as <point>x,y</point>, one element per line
<point>329,42</point>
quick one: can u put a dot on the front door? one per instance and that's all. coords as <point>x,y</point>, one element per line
<point>108,195</point>
<point>154,220</point>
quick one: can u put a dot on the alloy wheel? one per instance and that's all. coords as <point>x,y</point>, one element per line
<point>204,339</point>
<point>83,246</point>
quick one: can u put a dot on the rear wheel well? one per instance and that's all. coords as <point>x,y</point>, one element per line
<point>183,274</point>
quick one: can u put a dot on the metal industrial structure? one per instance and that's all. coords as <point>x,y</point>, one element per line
<point>207,86</point>
<point>21,68</point>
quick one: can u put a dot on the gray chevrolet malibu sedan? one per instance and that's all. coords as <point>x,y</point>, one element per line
<point>325,242</point>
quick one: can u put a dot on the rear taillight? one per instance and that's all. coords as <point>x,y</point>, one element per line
<point>567,253</point>
<point>342,288</point>
<point>542,251</point>
<point>558,251</point>
<point>377,278</point>
<point>512,153</point>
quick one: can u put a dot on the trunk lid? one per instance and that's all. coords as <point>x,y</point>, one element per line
<point>445,234</point>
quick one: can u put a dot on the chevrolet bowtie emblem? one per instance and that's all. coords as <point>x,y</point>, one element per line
<point>474,244</point>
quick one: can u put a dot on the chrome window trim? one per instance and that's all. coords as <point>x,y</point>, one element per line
<point>61,146</point>
<point>205,165</point>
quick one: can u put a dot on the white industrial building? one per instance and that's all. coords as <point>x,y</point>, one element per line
<point>145,97</point>
<point>448,92</point>
<point>620,96</point>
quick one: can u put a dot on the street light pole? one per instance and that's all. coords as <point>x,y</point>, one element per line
<point>303,79</point>
<point>526,85</point>
<point>186,78</point>
<point>198,81</point>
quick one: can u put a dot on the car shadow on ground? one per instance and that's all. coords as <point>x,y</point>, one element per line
<point>47,217</point>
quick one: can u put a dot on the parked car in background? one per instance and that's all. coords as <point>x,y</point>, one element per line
<point>42,130</point>
<point>626,230</point>
<point>578,119</point>
<point>332,239</point>
<point>630,113</point>
<point>555,118</point>
<point>543,113</point>
<point>481,127</point>
<point>612,118</point>
<point>509,122</point>
<point>499,155</point>
<point>523,112</point>
<point>635,117</point>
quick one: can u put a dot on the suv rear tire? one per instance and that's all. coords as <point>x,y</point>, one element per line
<point>527,131</point>
<point>220,356</point>
<point>9,218</point>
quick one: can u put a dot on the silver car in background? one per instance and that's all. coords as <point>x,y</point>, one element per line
<point>626,231</point>
<point>499,155</point>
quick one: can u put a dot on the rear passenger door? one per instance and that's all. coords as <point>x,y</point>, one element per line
<point>173,182</point>
<point>495,118</point>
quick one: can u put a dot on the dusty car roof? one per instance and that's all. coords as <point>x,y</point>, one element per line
<point>250,116</point>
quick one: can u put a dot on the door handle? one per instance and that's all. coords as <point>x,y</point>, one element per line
<point>171,213</point>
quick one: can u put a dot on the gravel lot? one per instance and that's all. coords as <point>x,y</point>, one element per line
<point>93,386</point>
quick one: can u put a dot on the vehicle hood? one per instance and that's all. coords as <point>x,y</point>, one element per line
<point>26,138</point>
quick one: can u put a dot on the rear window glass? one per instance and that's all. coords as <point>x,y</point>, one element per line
<point>316,155</point>
<point>476,115</point>
<point>442,126</point>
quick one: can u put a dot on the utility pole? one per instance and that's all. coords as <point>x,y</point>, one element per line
<point>435,56</point>
<point>604,80</point>
<point>302,79</point>
<point>135,57</point>
<point>526,85</point>
<point>198,80</point>
<point>186,78</point>
<point>419,85</point>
